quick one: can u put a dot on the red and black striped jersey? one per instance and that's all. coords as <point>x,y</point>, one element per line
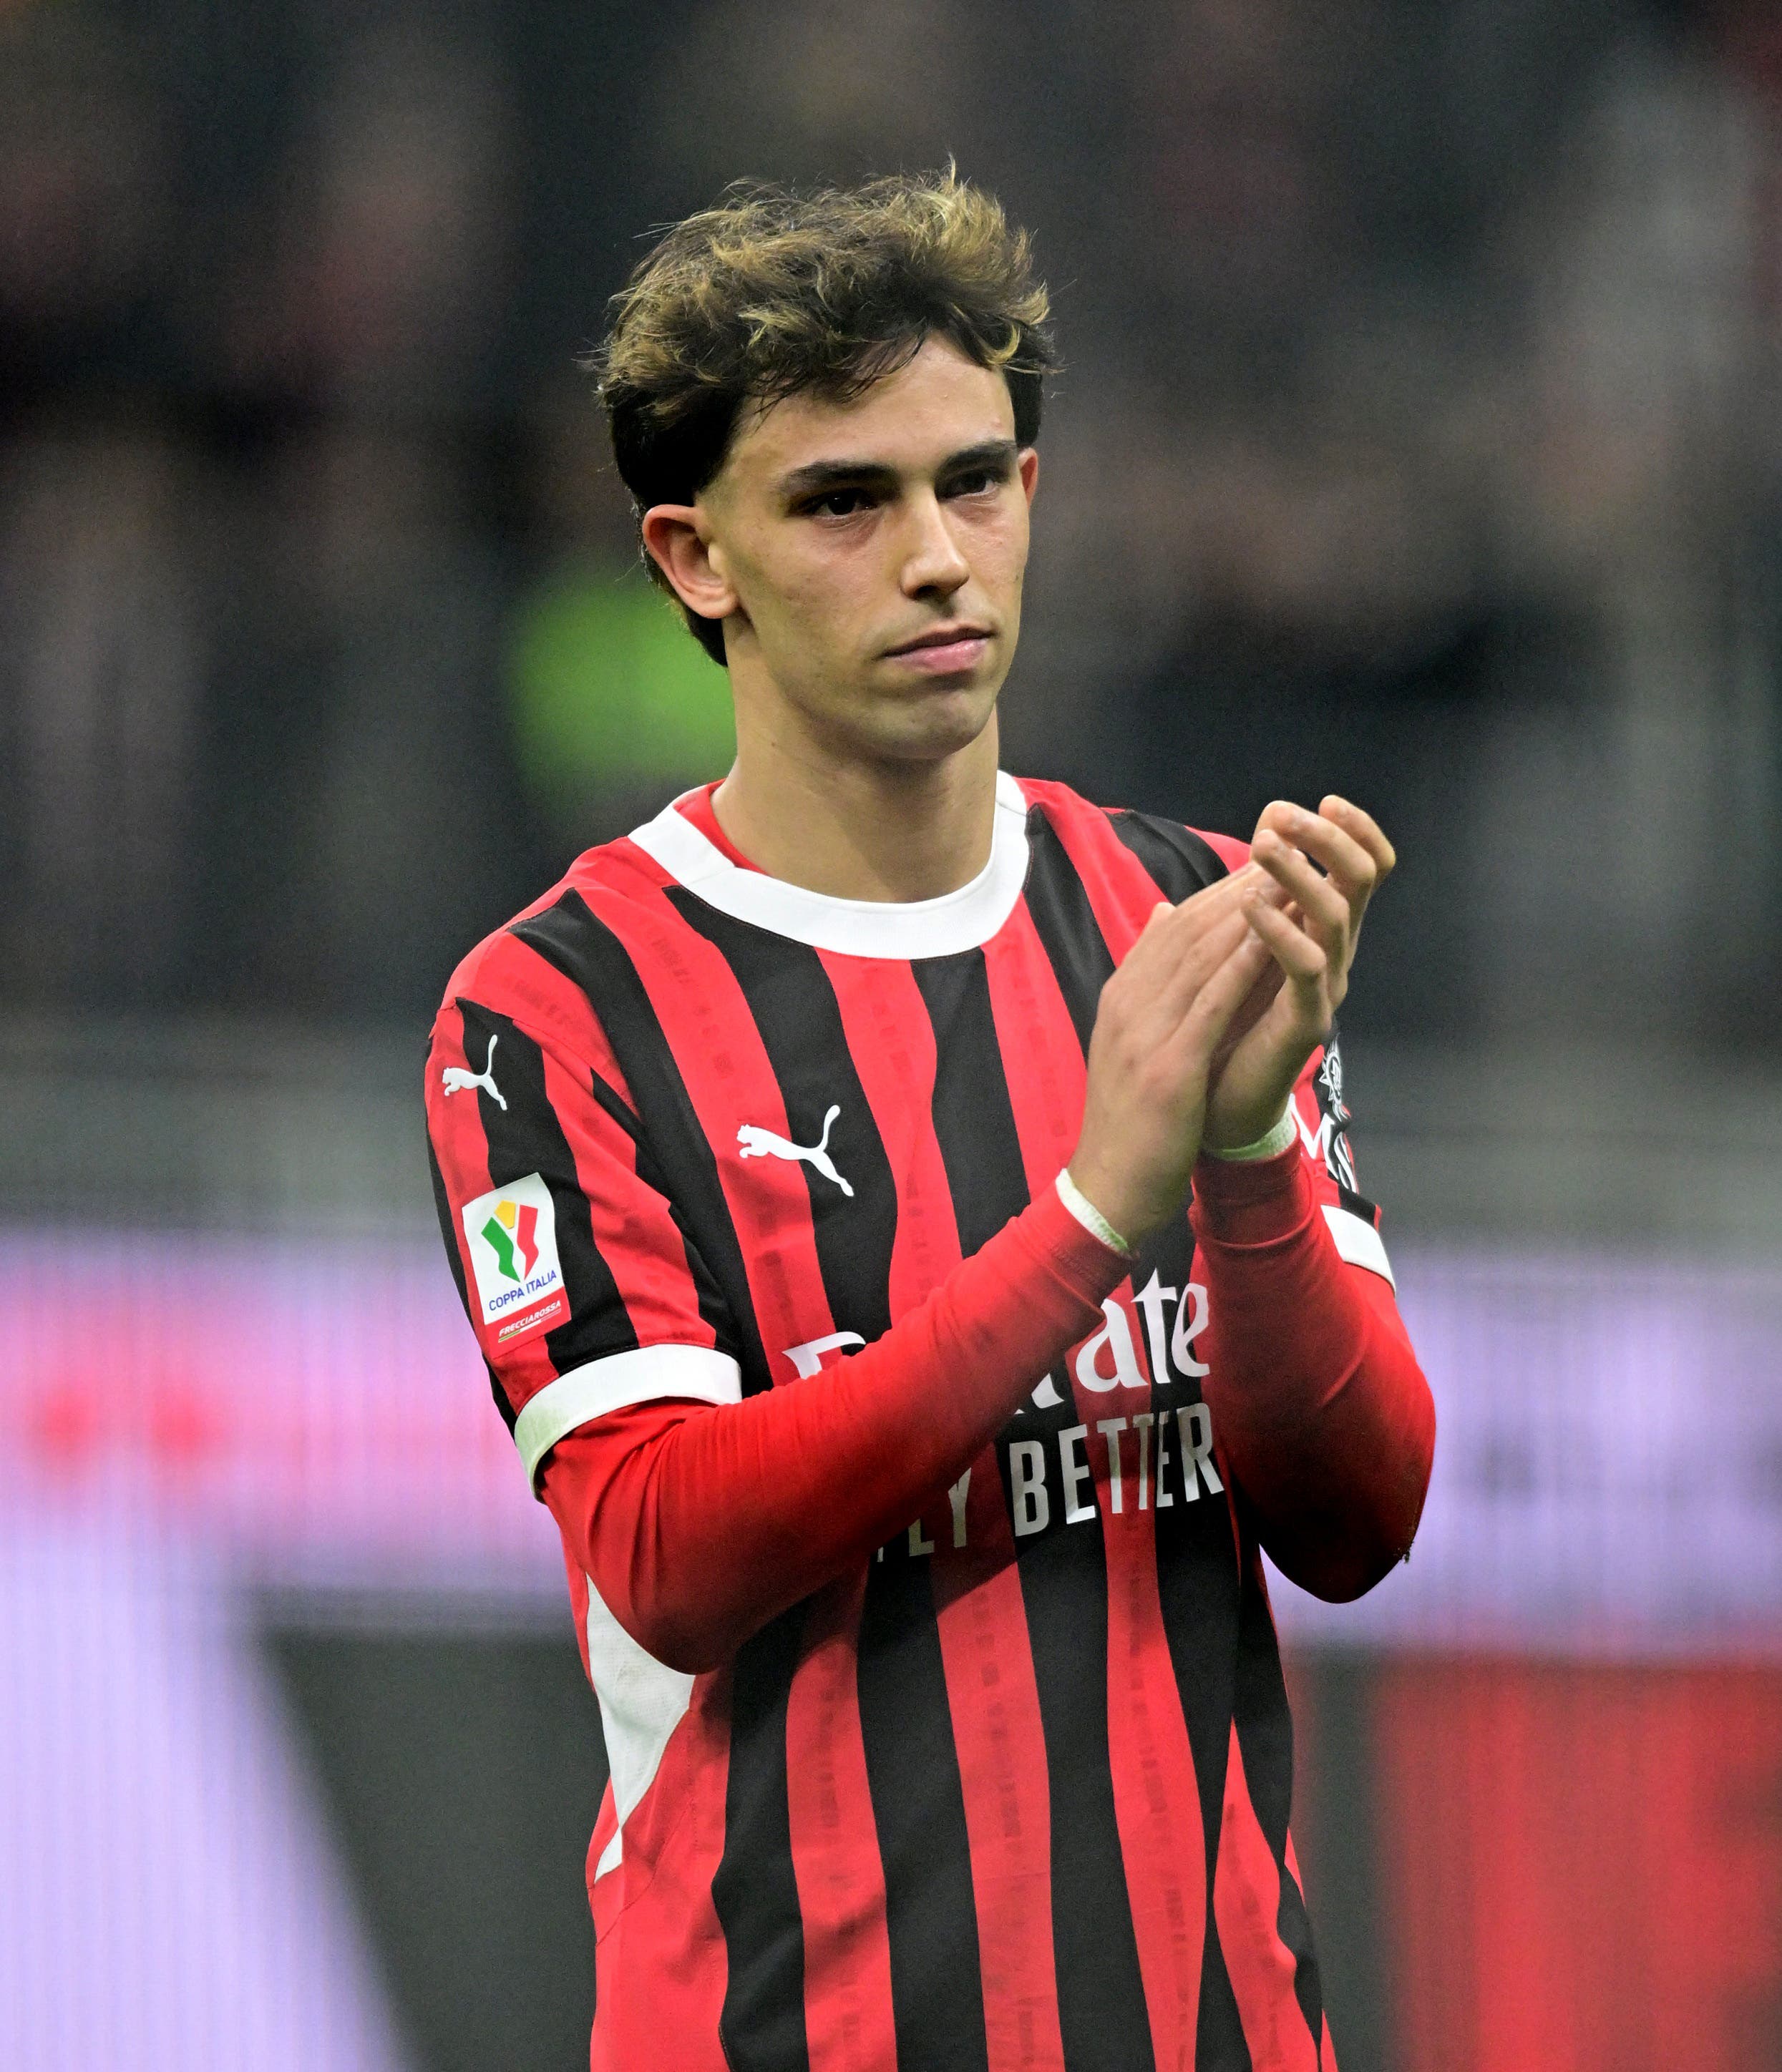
<point>1016,1792</point>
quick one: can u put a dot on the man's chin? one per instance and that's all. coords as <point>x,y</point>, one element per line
<point>941,720</point>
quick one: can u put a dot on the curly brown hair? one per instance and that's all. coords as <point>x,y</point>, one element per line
<point>775,293</point>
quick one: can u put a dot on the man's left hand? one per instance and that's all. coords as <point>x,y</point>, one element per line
<point>1309,918</point>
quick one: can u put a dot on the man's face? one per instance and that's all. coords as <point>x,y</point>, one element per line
<point>873,551</point>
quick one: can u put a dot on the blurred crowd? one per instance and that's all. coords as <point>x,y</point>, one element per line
<point>1417,437</point>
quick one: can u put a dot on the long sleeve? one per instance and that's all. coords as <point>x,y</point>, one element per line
<point>698,1523</point>
<point>1323,1413</point>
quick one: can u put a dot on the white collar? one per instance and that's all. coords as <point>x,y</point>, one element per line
<point>961,920</point>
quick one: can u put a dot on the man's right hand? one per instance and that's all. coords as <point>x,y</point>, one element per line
<point>1162,1018</point>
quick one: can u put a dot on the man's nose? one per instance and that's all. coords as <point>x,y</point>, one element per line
<point>932,560</point>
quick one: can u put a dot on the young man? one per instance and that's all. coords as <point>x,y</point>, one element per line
<point>812,1163</point>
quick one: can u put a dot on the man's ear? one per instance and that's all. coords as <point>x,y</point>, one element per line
<point>678,539</point>
<point>1028,465</point>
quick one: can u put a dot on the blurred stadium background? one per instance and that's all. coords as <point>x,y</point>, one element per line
<point>1420,437</point>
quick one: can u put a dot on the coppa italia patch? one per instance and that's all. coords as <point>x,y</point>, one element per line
<point>510,1234</point>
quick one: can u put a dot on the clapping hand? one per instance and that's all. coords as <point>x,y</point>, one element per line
<point>1312,875</point>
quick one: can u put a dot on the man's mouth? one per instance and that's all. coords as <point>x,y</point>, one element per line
<point>944,650</point>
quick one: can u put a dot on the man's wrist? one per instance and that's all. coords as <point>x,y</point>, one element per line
<point>1089,1216</point>
<point>1269,1144</point>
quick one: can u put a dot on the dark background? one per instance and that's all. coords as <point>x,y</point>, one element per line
<point>1417,437</point>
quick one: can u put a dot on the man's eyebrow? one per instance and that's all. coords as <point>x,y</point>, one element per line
<point>818,475</point>
<point>821,474</point>
<point>987,454</point>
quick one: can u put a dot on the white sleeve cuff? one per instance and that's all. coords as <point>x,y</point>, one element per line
<point>587,1392</point>
<point>1360,1243</point>
<point>1270,1145</point>
<point>1089,1216</point>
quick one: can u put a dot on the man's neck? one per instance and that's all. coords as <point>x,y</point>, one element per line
<point>852,830</point>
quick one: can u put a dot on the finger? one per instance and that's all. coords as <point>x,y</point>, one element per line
<point>1327,911</point>
<point>1363,828</point>
<point>1300,956</point>
<point>1179,946</point>
<point>1278,814</point>
<point>1351,866</point>
<point>1268,983</point>
<point>1224,893</point>
<point>1149,954</point>
<point>1154,989</point>
<point>1255,1004</point>
<point>1189,938</point>
<point>1307,1001</point>
<point>1358,869</point>
<point>1210,1014</point>
<point>1168,924</point>
<point>1227,895</point>
<point>1147,938</point>
<point>1304,1010</point>
<point>1198,960</point>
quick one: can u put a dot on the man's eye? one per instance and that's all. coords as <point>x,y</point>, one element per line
<point>974,484</point>
<point>838,504</point>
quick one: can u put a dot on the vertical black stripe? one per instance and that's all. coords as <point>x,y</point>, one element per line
<point>1178,861</point>
<point>713,1310</point>
<point>919,1809</point>
<point>1063,1571</point>
<point>572,940</point>
<point>1265,1733</point>
<point>754,1891</point>
<point>912,1765</point>
<point>1066,925</point>
<point>1197,1587</point>
<point>527,1136</point>
<point>448,1229</point>
<point>973,1117</point>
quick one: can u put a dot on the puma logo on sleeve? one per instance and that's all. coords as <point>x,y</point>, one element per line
<point>457,1080</point>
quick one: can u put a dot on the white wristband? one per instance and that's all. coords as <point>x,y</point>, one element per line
<point>1270,1145</point>
<point>1089,1216</point>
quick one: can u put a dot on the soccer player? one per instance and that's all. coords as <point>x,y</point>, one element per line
<point>815,1165</point>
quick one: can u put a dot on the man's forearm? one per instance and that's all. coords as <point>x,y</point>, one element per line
<point>698,1524</point>
<point>1321,1410</point>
